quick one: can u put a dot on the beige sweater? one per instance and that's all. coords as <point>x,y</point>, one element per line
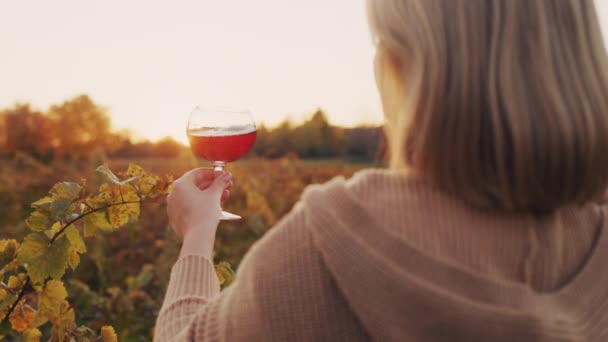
<point>387,257</point>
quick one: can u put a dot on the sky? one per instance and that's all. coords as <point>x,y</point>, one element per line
<point>150,62</point>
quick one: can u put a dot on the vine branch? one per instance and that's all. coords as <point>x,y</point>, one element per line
<point>19,297</point>
<point>65,226</point>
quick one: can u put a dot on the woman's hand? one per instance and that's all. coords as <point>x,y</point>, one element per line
<point>194,209</point>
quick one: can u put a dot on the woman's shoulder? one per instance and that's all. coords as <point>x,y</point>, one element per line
<point>367,187</point>
<point>366,196</point>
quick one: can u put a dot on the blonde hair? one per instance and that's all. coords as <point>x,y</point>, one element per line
<point>507,98</point>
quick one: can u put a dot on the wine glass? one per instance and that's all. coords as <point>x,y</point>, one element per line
<point>221,135</point>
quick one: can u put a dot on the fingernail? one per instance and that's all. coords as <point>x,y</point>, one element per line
<point>227,176</point>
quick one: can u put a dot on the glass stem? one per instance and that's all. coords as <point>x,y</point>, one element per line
<point>219,167</point>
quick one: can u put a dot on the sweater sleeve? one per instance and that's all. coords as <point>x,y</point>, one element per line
<point>282,292</point>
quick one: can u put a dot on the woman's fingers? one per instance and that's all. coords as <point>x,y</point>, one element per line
<point>206,181</point>
<point>203,178</point>
<point>225,195</point>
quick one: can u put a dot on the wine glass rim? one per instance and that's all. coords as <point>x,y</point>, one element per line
<point>222,109</point>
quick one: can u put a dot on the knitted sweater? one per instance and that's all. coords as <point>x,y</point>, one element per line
<point>387,257</point>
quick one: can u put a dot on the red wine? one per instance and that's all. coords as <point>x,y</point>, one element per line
<point>222,144</point>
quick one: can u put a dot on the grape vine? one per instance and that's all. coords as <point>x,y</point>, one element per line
<point>32,293</point>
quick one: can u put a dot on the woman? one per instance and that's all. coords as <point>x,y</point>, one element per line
<point>489,225</point>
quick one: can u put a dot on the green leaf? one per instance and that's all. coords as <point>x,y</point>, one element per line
<point>94,221</point>
<point>68,190</point>
<point>52,208</point>
<point>64,194</point>
<point>5,328</point>
<point>38,221</point>
<point>43,260</point>
<point>142,279</point>
<point>59,208</point>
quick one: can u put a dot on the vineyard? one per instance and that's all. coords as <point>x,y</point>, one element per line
<point>121,279</point>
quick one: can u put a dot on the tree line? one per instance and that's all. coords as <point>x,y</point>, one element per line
<point>79,128</point>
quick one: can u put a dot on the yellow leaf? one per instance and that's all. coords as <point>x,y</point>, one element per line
<point>43,260</point>
<point>32,335</point>
<point>121,214</point>
<point>135,170</point>
<point>224,273</point>
<point>55,228</point>
<point>108,334</point>
<point>51,300</point>
<point>38,221</point>
<point>45,201</point>
<point>22,317</point>
<point>94,221</point>
<point>13,282</point>
<point>146,183</point>
<point>75,239</point>
<point>65,320</point>
<point>220,277</point>
<point>8,251</point>
<point>102,198</point>
<point>73,258</point>
<point>2,294</point>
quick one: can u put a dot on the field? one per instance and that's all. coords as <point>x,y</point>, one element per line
<point>122,280</point>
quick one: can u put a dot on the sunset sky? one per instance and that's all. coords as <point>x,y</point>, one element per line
<point>151,62</point>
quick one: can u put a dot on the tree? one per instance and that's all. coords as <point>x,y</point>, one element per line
<point>167,148</point>
<point>316,138</point>
<point>280,141</point>
<point>27,131</point>
<point>81,127</point>
<point>364,143</point>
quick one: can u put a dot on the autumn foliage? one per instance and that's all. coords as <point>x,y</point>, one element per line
<point>87,254</point>
<point>34,295</point>
<point>79,128</point>
<point>121,278</point>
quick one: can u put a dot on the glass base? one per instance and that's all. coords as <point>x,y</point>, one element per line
<point>226,216</point>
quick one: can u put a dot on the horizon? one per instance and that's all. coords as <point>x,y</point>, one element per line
<point>150,64</point>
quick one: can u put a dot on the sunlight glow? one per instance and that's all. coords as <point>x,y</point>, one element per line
<point>150,62</point>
